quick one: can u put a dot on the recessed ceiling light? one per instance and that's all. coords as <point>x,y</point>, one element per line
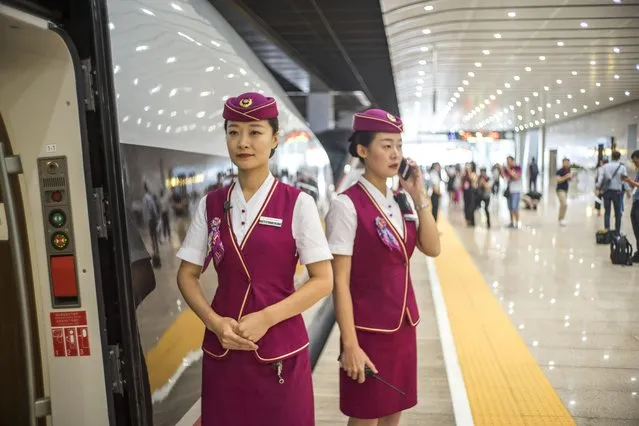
<point>584,24</point>
<point>512,14</point>
<point>147,11</point>
<point>556,115</point>
<point>486,101</point>
<point>593,62</point>
<point>535,94</point>
<point>569,96</point>
<point>546,88</point>
<point>585,106</point>
<point>493,97</point>
<point>596,102</point>
<point>429,7</point>
<point>497,35</point>
<point>519,117</point>
<point>424,48</point>
<point>170,60</point>
<point>540,109</point>
<point>421,73</point>
<point>422,62</point>
<point>518,103</point>
<point>616,1</point>
<point>637,67</point>
<point>465,83</point>
<point>420,80</point>
<point>548,105</point>
<point>426,31</point>
<point>558,101</point>
<point>456,94</point>
<point>582,90</point>
<point>528,69</point>
<point>616,49</point>
<point>486,52</point>
<point>499,91</point>
<point>526,98</point>
<point>471,74</point>
<point>141,48</point>
<point>507,85</point>
<point>460,89</point>
<point>478,64</point>
<point>542,58</point>
<point>575,73</point>
<point>558,81</point>
<point>516,78</point>
<point>560,43</point>
<point>598,84</point>
<point>574,110</point>
<point>627,93</point>
<point>611,99</point>
<point>616,76</point>
<point>565,112</point>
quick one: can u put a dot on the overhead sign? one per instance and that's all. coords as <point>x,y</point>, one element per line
<point>473,136</point>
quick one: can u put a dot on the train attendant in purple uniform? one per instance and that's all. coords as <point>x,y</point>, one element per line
<point>372,233</point>
<point>256,369</point>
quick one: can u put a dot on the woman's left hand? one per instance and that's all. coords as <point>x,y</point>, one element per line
<point>253,326</point>
<point>414,185</point>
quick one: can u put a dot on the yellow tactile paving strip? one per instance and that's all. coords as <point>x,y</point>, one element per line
<point>504,383</point>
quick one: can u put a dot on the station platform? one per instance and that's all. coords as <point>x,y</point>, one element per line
<point>532,326</point>
<point>544,327</point>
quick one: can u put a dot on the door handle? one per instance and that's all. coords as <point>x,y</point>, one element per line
<point>10,165</point>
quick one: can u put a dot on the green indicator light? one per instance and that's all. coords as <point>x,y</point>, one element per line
<point>57,218</point>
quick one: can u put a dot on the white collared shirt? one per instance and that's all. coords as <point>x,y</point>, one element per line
<point>341,220</point>
<point>307,228</point>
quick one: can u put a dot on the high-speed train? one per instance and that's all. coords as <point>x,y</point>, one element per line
<point>110,132</point>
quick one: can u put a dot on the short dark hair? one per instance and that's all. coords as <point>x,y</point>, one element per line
<point>273,122</point>
<point>616,155</point>
<point>360,138</point>
<point>635,154</point>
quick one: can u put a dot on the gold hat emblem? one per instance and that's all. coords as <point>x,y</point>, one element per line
<point>246,102</point>
<point>391,117</point>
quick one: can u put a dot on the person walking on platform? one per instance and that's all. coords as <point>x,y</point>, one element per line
<point>634,212</point>
<point>372,233</point>
<point>610,188</point>
<point>512,173</point>
<point>564,176</point>
<point>256,368</point>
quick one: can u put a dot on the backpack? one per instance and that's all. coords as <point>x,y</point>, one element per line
<point>603,236</point>
<point>620,251</point>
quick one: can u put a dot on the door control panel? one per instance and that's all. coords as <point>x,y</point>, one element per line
<point>58,228</point>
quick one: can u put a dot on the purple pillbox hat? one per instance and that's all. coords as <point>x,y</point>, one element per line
<point>377,120</point>
<point>250,106</point>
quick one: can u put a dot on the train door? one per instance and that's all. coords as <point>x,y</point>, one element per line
<point>71,354</point>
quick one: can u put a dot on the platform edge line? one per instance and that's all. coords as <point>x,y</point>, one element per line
<point>459,396</point>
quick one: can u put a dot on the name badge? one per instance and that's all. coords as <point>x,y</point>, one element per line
<point>271,221</point>
<point>410,217</point>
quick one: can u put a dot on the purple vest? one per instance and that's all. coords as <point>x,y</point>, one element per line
<point>256,274</point>
<point>381,287</point>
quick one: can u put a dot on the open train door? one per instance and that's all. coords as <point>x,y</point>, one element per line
<point>71,355</point>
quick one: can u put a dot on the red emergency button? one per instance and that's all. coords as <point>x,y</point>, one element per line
<point>63,280</point>
<point>56,196</point>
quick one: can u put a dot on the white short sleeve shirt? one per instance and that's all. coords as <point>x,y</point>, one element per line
<point>307,227</point>
<point>341,220</point>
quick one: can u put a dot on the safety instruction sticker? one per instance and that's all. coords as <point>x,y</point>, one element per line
<point>70,334</point>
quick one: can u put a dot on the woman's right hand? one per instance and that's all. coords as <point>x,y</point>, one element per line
<point>224,328</point>
<point>353,361</point>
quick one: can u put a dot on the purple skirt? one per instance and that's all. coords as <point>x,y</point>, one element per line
<point>395,356</point>
<point>237,390</point>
